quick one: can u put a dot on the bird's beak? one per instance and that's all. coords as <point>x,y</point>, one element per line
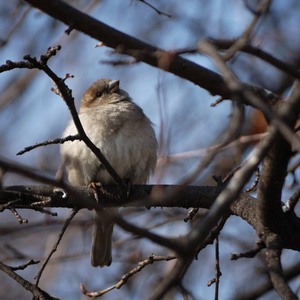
<point>113,86</point>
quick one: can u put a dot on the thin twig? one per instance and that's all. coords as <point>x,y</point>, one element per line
<point>17,254</point>
<point>141,265</point>
<point>250,254</point>
<point>242,41</point>
<point>119,62</point>
<point>218,271</point>
<point>292,201</point>
<point>35,290</point>
<point>155,9</point>
<point>15,27</point>
<point>216,280</point>
<point>261,54</point>
<point>24,266</point>
<point>218,101</point>
<point>247,139</point>
<point>185,293</point>
<point>67,223</point>
<point>50,142</point>
<point>292,168</point>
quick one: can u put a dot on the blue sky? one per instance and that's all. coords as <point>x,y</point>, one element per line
<point>38,114</point>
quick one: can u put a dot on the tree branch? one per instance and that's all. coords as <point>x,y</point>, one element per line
<point>263,55</point>
<point>273,258</point>
<point>140,196</point>
<point>141,51</point>
<point>141,265</point>
<point>36,291</point>
<point>66,94</point>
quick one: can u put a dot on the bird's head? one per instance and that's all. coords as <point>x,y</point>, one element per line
<point>103,92</point>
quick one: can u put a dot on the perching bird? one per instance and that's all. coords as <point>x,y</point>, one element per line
<point>123,133</point>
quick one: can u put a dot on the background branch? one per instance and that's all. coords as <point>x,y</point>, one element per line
<point>185,123</point>
<point>141,51</point>
<point>36,291</point>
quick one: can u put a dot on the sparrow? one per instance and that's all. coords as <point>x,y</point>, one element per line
<point>125,136</point>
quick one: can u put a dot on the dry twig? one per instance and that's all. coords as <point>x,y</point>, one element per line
<point>141,265</point>
<point>67,223</point>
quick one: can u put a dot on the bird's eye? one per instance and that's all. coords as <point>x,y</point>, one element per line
<point>99,94</point>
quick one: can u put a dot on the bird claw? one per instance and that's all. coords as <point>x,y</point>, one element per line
<point>94,186</point>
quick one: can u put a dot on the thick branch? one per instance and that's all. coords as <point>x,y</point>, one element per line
<point>274,169</point>
<point>129,45</point>
<point>142,196</point>
<point>109,196</point>
<point>170,61</point>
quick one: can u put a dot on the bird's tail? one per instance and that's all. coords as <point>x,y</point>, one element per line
<point>102,242</point>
